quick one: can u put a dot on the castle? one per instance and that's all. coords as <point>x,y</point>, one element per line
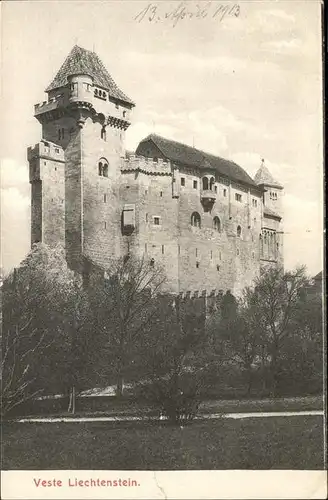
<point>203,218</point>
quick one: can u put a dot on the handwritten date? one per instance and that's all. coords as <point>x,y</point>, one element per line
<point>152,12</point>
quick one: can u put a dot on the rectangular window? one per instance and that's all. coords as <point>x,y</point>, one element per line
<point>215,189</point>
<point>162,248</point>
<point>146,217</point>
<point>238,197</point>
<point>225,193</point>
<point>156,221</point>
<point>105,198</point>
<point>105,225</point>
<point>129,216</point>
<point>195,184</point>
<point>196,252</point>
<point>161,193</point>
<point>211,254</point>
<point>183,181</point>
<point>146,247</point>
<point>179,249</point>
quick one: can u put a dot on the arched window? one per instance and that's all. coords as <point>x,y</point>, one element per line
<point>195,219</point>
<point>205,183</point>
<point>103,167</point>
<point>217,224</point>
<point>238,231</point>
<point>212,180</point>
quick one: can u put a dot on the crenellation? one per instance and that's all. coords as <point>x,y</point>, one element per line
<point>173,204</point>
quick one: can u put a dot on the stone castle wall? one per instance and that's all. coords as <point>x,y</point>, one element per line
<point>73,204</point>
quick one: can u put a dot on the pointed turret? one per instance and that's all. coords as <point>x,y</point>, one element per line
<point>263,177</point>
<point>85,62</point>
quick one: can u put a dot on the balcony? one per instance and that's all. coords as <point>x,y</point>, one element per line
<point>207,196</point>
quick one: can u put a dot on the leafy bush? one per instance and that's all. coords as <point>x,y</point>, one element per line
<point>177,400</point>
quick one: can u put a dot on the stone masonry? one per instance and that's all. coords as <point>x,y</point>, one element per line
<point>204,219</point>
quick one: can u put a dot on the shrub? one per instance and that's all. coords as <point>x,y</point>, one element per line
<point>177,400</point>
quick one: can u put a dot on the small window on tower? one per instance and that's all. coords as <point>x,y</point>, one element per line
<point>103,167</point>
<point>195,184</point>
<point>103,133</point>
<point>156,221</point>
<point>225,193</point>
<point>183,181</point>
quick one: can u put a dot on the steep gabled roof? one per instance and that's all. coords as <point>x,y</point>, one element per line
<point>80,60</point>
<point>263,177</point>
<point>189,156</point>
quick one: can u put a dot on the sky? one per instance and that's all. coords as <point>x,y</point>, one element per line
<point>243,81</point>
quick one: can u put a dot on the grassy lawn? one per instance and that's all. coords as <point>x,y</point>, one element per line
<point>274,404</point>
<point>100,406</point>
<point>259,443</point>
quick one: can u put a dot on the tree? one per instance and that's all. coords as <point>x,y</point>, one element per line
<point>172,358</point>
<point>36,338</point>
<point>123,304</point>
<point>234,337</point>
<point>302,352</point>
<point>272,308</point>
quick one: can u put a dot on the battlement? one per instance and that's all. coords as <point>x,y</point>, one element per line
<point>53,103</point>
<point>151,166</point>
<point>200,294</point>
<point>46,149</point>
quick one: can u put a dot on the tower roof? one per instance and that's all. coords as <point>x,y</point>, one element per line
<point>187,155</point>
<point>84,61</point>
<point>264,177</point>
